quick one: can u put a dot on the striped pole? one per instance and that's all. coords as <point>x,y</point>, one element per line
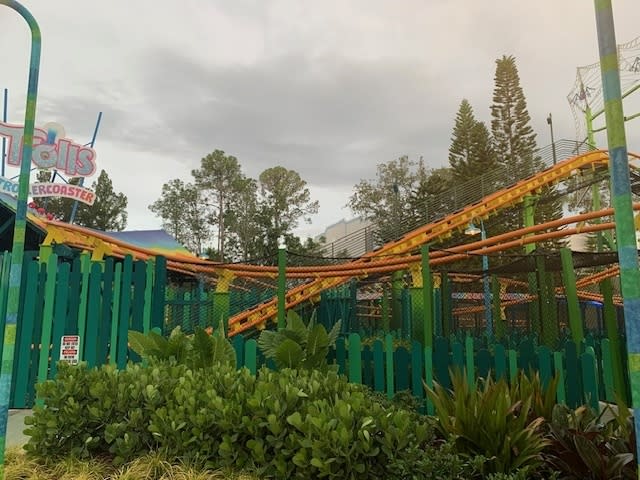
<point>20,226</point>
<point>621,198</point>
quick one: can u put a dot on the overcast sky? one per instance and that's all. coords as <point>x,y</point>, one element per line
<point>328,88</point>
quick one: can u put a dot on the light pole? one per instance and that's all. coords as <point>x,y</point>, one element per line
<point>473,230</point>
<point>282,282</point>
<point>553,142</point>
<point>20,226</point>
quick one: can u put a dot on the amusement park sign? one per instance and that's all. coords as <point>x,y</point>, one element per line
<point>50,150</point>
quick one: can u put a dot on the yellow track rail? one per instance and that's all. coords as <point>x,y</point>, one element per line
<point>439,230</point>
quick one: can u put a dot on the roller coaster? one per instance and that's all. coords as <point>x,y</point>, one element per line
<point>399,254</point>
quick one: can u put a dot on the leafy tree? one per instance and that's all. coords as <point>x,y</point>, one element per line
<point>285,200</point>
<point>183,214</point>
<point>244,231</point>
<point>218,176</point>
<point>109,210</point>
<point>401,197</point>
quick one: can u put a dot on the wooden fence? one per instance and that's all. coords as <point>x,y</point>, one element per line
<point>584,376</point>
<point>99,301</point>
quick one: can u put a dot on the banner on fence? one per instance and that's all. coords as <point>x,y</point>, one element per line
<point>70,349</point>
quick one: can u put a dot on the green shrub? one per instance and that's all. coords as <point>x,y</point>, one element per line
<point>483,419</point>
<point>199,350</point>
<point>299,345</point>
<point>287,424</point>
<point>587,445</point>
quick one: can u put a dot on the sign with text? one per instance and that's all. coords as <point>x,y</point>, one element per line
<point>74,192</point>
<point>50,150</point>
<point>70,349</point>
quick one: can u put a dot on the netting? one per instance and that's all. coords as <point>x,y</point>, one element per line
<point>587,89</point>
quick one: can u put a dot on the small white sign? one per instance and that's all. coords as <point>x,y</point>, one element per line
<point>70,349</point>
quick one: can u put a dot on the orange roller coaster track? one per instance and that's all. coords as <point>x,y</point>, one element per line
<point>438,230</point>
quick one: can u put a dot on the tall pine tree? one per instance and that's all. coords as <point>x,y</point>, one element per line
<point>515,143</point>
<point>471,153</point>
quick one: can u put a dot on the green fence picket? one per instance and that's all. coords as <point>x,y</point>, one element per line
<point>60,314</point>
<point>607,370</point>
<point>378,366</point>
<point>367,366</point>
<point>574,387</point>
<point>388,355</point>
<point>159,291</point>
<point>513,365</point>
<point>457,352</point>
<point>417,360</point>
<point>402,365</point>
<point>47,319</point>
<point>75,285</point>
<point>590,378</point>
<point>250,355</point>
<point>470,362</point>
<point>441,362</point>
<point>93,314</point>
<point>500,361</point>
<point>85,269</point>
<point>341,356</point>
<point>484,361</point>
<point>544,365</point>
<point>115,314</point>
<point>25,340</point>
<point>104,327</point>
<point>558,365</point>
<point>148,296</point>
<point>238,346</point>
<point>355,358</point>
<point>124,314</point>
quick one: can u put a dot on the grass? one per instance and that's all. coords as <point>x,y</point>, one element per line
<point>153,466</point>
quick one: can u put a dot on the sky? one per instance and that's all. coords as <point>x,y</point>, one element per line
<point>330,89</point>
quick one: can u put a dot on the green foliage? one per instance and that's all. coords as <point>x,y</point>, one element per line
<point>543,400</point>
<point>586,445</point>
<point>483,419</point>
<point>288,424</point>
<point>180,207</point>
<point>299,345</point>
<point>199,350</point>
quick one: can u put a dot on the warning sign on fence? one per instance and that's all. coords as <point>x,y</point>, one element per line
<point>70,349</point>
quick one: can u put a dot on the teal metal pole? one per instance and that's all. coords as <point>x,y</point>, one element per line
<point>621,198</point>
<point>488,314</point>
<point>282,283</point>
<point>4,119</point>
<point>20,226</point>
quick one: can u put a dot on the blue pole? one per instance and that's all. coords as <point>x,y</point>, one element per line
<point>20,226</point>
<point>621,199</point>
<point>81,182</point>
<point>4,119</point>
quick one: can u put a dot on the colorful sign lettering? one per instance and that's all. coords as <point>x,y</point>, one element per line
<point>66,190</point>
<point>50,150</point>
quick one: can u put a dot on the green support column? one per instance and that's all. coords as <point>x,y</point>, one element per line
<point>397,285</point>
<point>621,198</point>
<point>499,322</point>
<point>417,313</point>
<point>529,221</point>
<point>445,288</point>
<point>427,297</point>
<point>570,291</point>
